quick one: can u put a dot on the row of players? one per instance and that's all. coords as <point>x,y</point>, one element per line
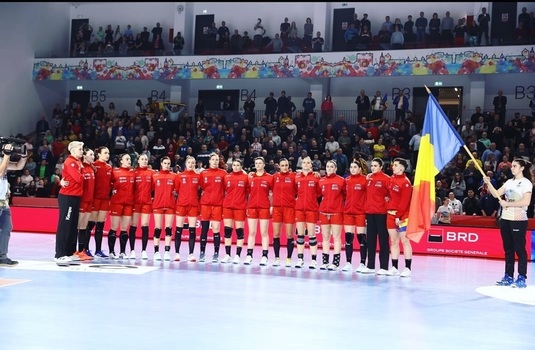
<point>373,206</point>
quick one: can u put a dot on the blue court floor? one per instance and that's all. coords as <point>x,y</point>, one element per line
<point>448,303</point>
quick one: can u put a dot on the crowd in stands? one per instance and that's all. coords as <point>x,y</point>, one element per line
<point>292,36</point>
<point>283,131</point>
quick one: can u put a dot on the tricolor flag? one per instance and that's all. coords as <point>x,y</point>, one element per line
<point>440,142</point>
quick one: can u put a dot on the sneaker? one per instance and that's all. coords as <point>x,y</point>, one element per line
<point>84,257</point>
<point>392,272</point>
<point>113,256</point>
<point>191,258</point>
<point>367,271</point>
<point>132,255</point>
<point>332,267</point>
<point>288,262</point>
<point>506,281</point>
<point>226,259</point>
<point>177,257</point>
<point>88,253</point>
<point>8,262</point>
<point>167,256</point>
<point>299,264</point>
<point>360,268</point>
<point>123,256</point>
<point>348,268</point>
<point>202,257</point>
<point>100,254</point>
<point>144,255</point>
<point>406,273</point>
<point>157,256</point>
<point>63,261</point>
<point>276,263</point>
<point>313,265</point>
<point>237,259</point>
<point>324,266</point>
<point>248,260</point>
<point>75,257</point>
<point>382,272</point>
<point>520,282</point>
<point>215,258</point>
<point>264,261</point>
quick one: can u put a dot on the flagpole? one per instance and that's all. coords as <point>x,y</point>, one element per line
<point>491,187</point>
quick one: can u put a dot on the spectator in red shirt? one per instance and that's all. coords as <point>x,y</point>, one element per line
<point>354,216</point>
<point>234,203</point>
<point>142,205</point>
<point>331,214</point>
<point>163,207</point>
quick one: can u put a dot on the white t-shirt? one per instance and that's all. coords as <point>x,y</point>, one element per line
<point>514,191</point>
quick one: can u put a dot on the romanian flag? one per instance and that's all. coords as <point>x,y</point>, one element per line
<point>440,142</point>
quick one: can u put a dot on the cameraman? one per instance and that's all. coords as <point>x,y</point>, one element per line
<point>6,224</point>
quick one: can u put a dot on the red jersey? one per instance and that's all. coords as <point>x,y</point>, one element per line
<point>259,187</point>
<point>89,182</point>
<point>333,191</point>
<point>72,172</point>
<point>284,190</point>
<point>376,192</point>
<point>355,194</point>
<point>213,186</point>
<point>163,183</point>
<point>122,182</point>
<point>102,179</point>
<point>308,191</point>
<point>400,192</point>
<point>187,185</point>
<point>143,185</point>
<point>236,189</point>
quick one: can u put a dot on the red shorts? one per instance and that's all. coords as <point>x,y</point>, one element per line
<point>188,211</point>
<point>254,213</point>
<point>121,210</point>
<point>306,216</point>
<point>101,204</point>
<point>331,219</point>
<point>284,215</point>
<point>391,222</point>
<point>143,208</point>
<point>163,211</point>
<point>211,213</point>
<point>234,214</point>
<point>358,220</point>
<point>86,207</point>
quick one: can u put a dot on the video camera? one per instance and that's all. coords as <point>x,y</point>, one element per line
<point>19,147</point>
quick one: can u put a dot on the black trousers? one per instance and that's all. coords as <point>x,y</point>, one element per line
<point>66,233</point>
<point>514,241</point>
<point>376,228</point>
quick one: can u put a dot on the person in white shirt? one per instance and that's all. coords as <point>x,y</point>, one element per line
<point>444,212</point>
<point>455,204</point>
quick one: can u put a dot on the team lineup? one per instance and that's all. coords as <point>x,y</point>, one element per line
<point>369,207</point>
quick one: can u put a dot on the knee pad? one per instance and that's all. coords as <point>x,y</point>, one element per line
<point>157,232</point>
<point>313,241</point>
<point>362,239</point>
<point>228,232</point>
<point>300,240</point>
<point>240,233</point>
<point>168,232</point>
<point>349,238</point>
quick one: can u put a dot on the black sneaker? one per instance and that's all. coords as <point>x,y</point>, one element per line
<point>8,262</point>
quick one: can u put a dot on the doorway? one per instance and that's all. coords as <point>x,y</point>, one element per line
<point>450,98</point>
<point>213,102</point>
<point>202,24</point>
<point>341,20</point>
<point>76,24</point>
<point>80,97</point>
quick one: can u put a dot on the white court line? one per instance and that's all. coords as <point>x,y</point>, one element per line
<point>94,267</point>
<point>515,295</point>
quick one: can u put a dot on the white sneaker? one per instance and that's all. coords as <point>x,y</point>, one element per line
<point>406,273</point>
<point>299,264</point>
<point>313,265</point>
<point>74,257</point>
<point>113,256</point>
<point>191,258</point>
<point>167,256</point>
<point>348,268</point>
<point>264,261</point>
<point>332,267</point>
<point>324,266</point>
<point>382,272</point>
<point>177,257</point>
<point>367,271</point>
<point>123,256</point>
<point>248,260</point>
<point>157,256</point>
<point>215,258</point>
<point>360,268</point>
<point>132,255</point>
<point>144,255</point>
<point>393,271</point>
<point>63,261</point>
<point>288,262</point>
<point>226,259</point>
<point>237,259</point>
<point>277,262</point>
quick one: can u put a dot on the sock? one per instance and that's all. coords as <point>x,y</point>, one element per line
<point>217,242</point>
<point>144,237</point>
<point>81,239</point>
<point>111,240</point>
<point>349,246</point>
<point>277,246</point>
<point>265,253</point>
<point>249,252</point>
<point>363,247</point>
<point>325,258</point>
<point>132,237</point>
<point>167,248</point>
<point>191,240</point>
<point>227,249</point>
<point>123,239</point>
<point>90,226</point>
<point>99,233</point>
<point>300,256</point>
<point>395,263</point>
<point>238,251</point>
<point>336,259</point>
<point>290,247</point>
<point>178,238</point>
<point>408,263</point>
<point>205,226</point>
<point>314,257</point>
